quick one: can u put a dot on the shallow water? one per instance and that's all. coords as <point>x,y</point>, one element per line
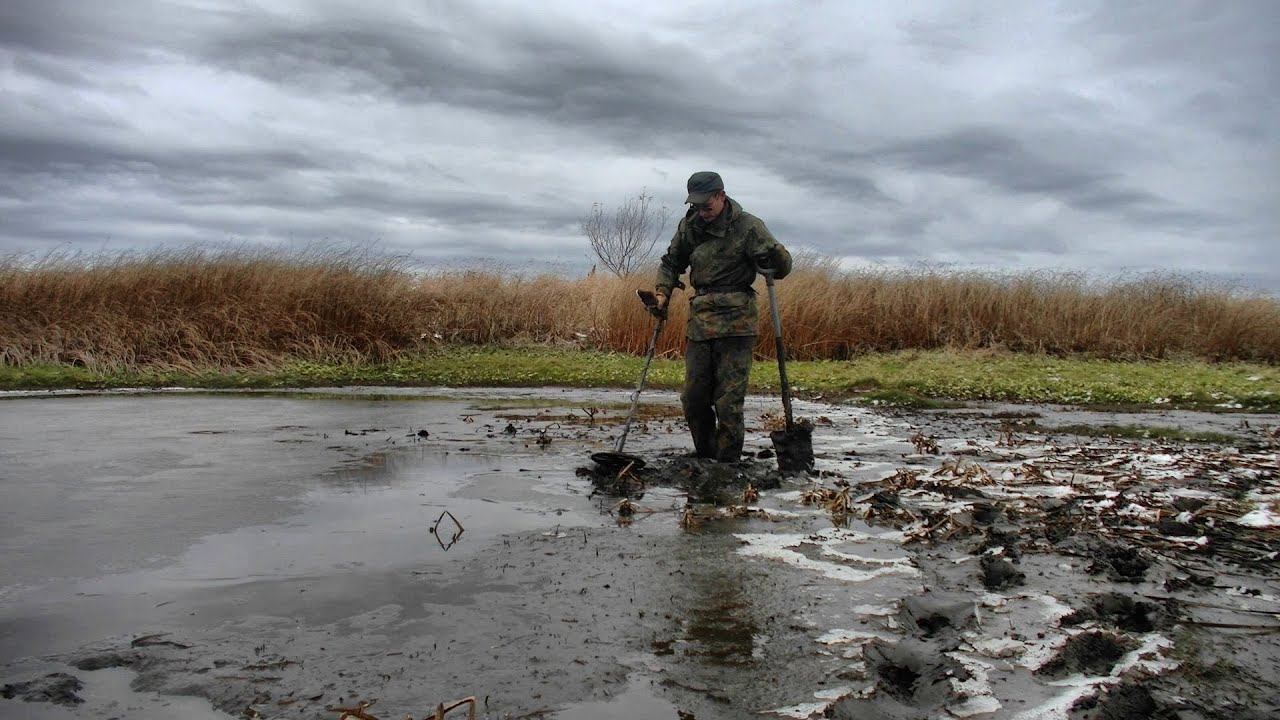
<point>278,547</point>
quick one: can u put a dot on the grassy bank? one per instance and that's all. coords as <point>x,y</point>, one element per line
<point>911,378</point>
<point>195,310</point>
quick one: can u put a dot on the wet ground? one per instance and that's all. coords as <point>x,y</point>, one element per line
<point>207,555</point>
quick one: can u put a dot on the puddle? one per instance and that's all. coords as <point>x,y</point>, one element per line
<point>639,699</point>
<point>108,693</point>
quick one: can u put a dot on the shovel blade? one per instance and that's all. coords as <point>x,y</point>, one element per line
<point>794,448</point>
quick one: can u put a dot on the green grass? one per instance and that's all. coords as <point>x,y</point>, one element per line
<point>1036,378</point>
<point>1140,432</point>
<point>906,378</point>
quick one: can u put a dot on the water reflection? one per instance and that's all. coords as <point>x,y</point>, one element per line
<point>384,469</point>
<point>713,602</point>
<point>720,628</point>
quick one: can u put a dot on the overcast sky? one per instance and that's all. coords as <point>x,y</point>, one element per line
<point>1105,136</point>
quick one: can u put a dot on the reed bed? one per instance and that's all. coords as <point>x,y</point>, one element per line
<point>202,310</point>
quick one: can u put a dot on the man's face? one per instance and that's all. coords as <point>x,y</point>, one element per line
<point>711,209</point>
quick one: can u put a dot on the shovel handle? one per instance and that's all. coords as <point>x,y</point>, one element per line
<point>781,350</point>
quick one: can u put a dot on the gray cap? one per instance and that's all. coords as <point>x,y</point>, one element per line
<point>703,185</point>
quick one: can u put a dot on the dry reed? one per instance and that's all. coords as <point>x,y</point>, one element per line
<point>207,310</point>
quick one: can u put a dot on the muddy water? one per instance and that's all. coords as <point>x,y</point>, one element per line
<point>272,554</point>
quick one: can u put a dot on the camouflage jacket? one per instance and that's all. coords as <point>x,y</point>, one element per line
<point>721,257</point>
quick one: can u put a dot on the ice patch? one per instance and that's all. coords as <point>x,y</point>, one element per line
<point>828,551</point>
<point>998,647</point>
<point>778,547</point>
<point>1037,654</point>
<point>839,636</point>
<point>1140,512</point>
<point>978,696</point>
<point>1058,707</point>
<point>877,610</point>
<point>975,706</point>
<point>800,711</point>
<point>834,693</point>
<point>1248,593</point>
<point>828,696</point>
<point>1148,659</point>
<point>1192,493</point>
<point>1038,491</point>
<point>1054,609</point>
<point>1262,517</point>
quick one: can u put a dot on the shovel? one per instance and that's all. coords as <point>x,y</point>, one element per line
<point>794,444</point>
<point>617,460</point>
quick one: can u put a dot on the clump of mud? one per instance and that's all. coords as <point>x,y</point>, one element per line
<point>706,481</point>
<point>986,513</point>
<point>1120,563</point>
<point>57,688</point>
<point>914,672</point>
<point>939,613</point>
<point>1123,702</point>
<point>1005,539</point>
<point>102,661</point>
<point>913,679</point>
<point>1091,653</point>
<point>1000,574</point>
<point>1120,612</point>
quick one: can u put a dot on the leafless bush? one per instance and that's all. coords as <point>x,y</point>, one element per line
<point>624,239</point>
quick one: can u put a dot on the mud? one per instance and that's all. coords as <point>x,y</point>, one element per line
<point>1121,612</point>
<point>936,614</point>
<point>1091,653</point>
<point>1000,574</point>
<point>57,688</point>
<point>1121,563</point>
<point>1126,702</point>
<point>700,479</point>
<point>271,555</point>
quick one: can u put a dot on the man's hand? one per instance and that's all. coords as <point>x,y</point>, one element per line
<point>660,299</point>
<point>654,303</point>
<point>659,308</point>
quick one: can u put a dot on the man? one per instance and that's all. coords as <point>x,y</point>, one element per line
<point>723,246</point>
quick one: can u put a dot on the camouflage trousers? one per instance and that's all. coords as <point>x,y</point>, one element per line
<point>715,385</point>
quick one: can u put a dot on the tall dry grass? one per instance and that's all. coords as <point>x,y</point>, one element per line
<point>194,309</point>
<point>200,309</point>
<point>835,313</point>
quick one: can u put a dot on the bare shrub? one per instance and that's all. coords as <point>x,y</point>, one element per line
<point>624,239</point>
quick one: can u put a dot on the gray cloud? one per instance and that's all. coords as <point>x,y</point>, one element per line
<point>968,132</point>
<point>993,157</point>
<point>33,154</point>
<point>124,32</point>
<point>570,81</point>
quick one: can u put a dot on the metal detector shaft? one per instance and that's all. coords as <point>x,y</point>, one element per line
<point>635,396</point>
<point>781,349</point>
<point>644,373</point>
